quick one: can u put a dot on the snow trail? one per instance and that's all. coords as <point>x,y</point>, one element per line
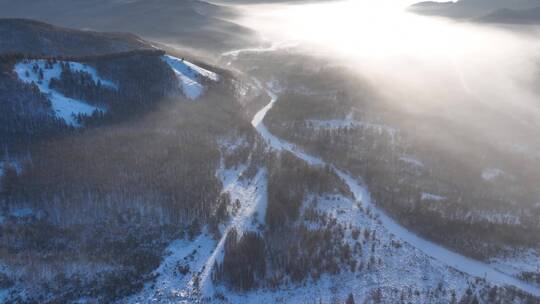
<point>451,259</point>
<point>252,196</point>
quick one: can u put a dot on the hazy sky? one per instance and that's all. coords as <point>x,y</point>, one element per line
<point>429,65</point>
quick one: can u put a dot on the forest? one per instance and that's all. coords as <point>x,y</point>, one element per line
<point>98,193</point>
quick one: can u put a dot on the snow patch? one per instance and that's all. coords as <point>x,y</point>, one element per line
<point>255,50</point>
<point>189,76</point>
<point>412,161</point>
<point>176,273</point>
<point>491,174</point>
<point>252,195</point>
<point>334,124</point>
<point>432,197</point>
<point>64,107</point>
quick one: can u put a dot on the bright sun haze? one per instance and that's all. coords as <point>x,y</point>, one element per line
<point>448,66</point>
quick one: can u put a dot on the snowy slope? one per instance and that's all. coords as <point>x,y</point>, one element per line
<point>64,107</point>
<point>252,195</point>
<point>400,267</point>
<point>440,254</point>
<point>190,76</point>
<point>200,254</point>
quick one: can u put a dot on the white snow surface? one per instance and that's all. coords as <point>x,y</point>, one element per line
<point>190,76</point>
<point>63,106</point>
<point>440,254</point>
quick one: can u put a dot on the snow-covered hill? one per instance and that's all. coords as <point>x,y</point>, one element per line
<point>41,72</point>
<point>448,258</point>
<point>190,76</point>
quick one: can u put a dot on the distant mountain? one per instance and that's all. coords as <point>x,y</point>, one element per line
<point>430,6</point>
<point>526,16</point>
<point>190,23</point>
<point>38,38</point>
<point>477,9</point>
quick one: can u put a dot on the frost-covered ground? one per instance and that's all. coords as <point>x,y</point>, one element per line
<point>64,107</point>
<point>190,76</point>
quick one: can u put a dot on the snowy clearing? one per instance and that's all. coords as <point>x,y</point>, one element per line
<point>451,259</point>
<point>64,107</point>
<point>190,76</point>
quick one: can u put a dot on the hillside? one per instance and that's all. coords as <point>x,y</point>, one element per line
<point>67,201</point>
<point>57,79</point>
<point>189,24</point>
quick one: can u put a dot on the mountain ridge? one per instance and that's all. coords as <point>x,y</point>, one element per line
<point>496,11</point>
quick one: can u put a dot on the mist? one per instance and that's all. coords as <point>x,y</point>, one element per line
<point>481,79</point>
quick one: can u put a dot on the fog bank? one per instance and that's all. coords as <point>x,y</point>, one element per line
<point>478,77</point>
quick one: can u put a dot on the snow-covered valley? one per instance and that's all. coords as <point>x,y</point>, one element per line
<point>440,254</point>
<point>402,258</point>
